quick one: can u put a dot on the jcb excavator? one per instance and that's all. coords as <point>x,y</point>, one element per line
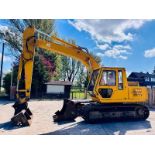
<point>113,97</point>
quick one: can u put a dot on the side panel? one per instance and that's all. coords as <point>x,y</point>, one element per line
<point>137,93</point>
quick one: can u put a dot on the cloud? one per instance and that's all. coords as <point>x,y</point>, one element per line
<point>103,46</point>
<point>113,53</point>
<point>8,32</point>
<point>6,71</point>
<point>117,51</point>
<point>108,30</point>
<point>149,53</point>
<point>6,58</point>
<point>105,32</point>
<point>122,47</point>
<point>99,54</point>
<point>4,30</point>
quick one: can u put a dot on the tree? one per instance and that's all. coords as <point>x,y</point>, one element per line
<point>12,33</point>
<point>44,62</point>
<point>74,71</point>
<point>7,79</point>
<point>70,67</point>
<point>82,76</point>
<point>7,83</point>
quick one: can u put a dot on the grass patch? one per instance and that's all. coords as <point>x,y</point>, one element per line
<point>77,93</point>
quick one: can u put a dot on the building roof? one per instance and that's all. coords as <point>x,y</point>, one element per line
<point>59,83</point>
<point>141,75</point>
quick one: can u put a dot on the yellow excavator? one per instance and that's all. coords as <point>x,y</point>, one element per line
<point>113,98</point>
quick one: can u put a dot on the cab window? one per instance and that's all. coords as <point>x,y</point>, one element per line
<point>120,80</point>
<point>108,78</point>
<point>93,80</point>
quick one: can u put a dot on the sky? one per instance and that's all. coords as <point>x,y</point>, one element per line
<point>122,43</point>
<point>119,43</point>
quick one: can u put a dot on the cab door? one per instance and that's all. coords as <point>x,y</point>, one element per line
<point>111,86</point>
<point>122,91</point>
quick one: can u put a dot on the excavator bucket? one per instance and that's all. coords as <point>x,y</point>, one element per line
<point>22,116</point>
<point>69,111</point>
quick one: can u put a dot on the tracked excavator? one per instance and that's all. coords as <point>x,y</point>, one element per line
<point>113,98</point>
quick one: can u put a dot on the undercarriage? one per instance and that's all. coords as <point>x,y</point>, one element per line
<point>90,111</point>
<point>93,112</point>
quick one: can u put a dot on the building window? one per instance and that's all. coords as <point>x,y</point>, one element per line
<point>146,78</point>
<point>153,79</point>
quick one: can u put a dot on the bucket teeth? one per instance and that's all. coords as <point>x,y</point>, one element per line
<point>68,112</point>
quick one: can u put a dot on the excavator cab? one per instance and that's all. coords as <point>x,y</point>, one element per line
<point>110,85</point>
<point>106,83</point>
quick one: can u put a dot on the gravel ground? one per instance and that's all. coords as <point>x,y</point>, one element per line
<point>43,124</point>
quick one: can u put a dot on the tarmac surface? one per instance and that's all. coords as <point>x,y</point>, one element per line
<point>43,124</point>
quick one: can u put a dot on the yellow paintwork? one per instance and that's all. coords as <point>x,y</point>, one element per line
<point>70,51</point>
<point>26,63</point>
<point>127,95</point>
<point>32,38</point>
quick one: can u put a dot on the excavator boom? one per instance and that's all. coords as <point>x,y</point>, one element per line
<point>33,38</point>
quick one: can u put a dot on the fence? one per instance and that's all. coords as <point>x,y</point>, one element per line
<point>151,95</point>
<point>78,93</point>
<point>81,93</point>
